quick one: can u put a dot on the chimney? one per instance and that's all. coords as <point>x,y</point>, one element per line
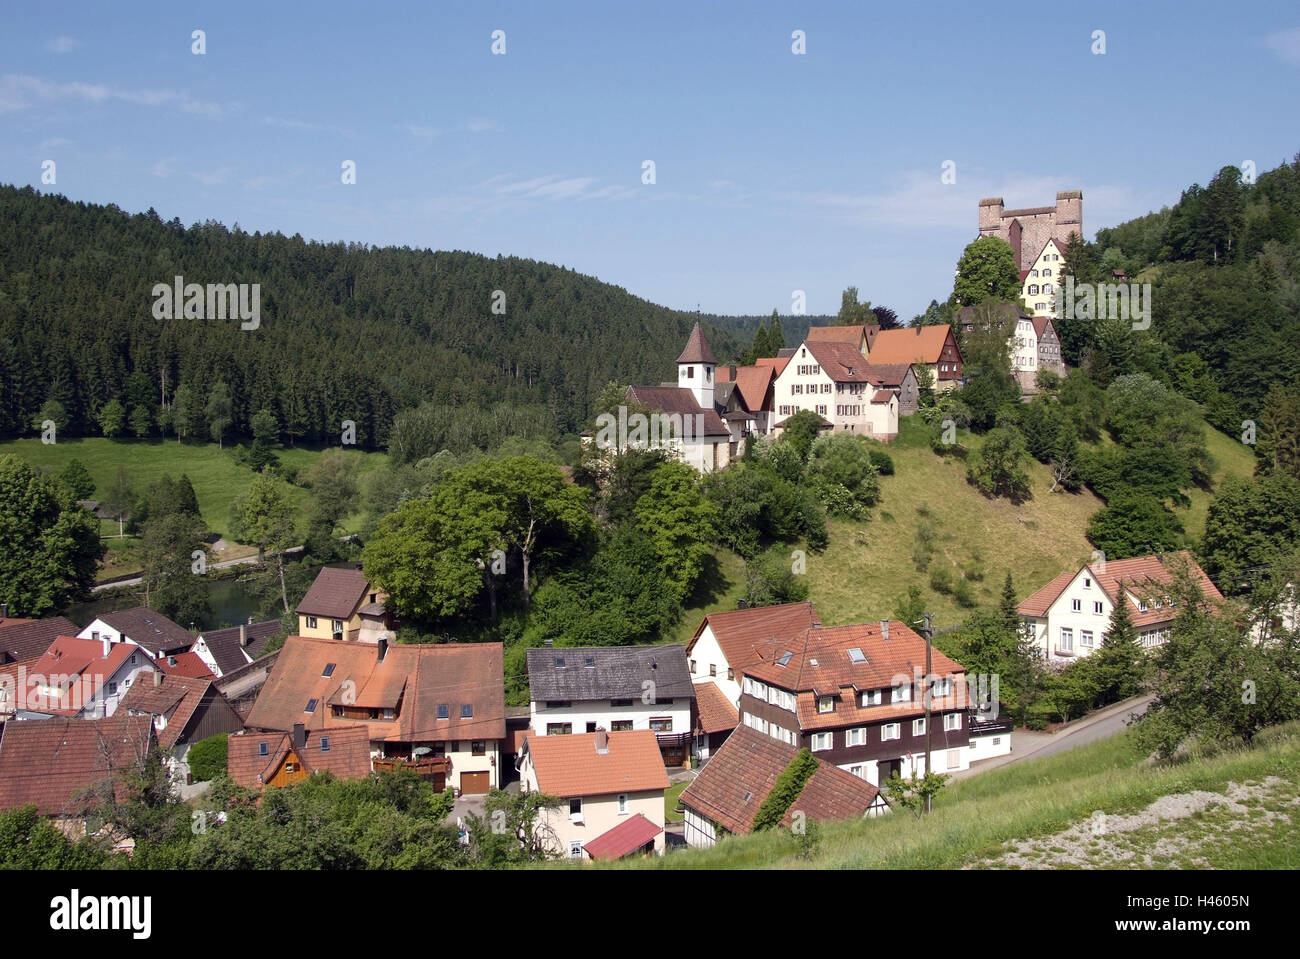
<point>918,331</point>
<point>884,630</point>
<point>742,604</point>
<point>250,621</point>
<point>107,644</point>
<point>243,636</point>
<point>299,738</point>
<point>157,677</point>
<point>4,610</point>
<point>548,642</point>
<point>602,742</point>
<point>383,647</point>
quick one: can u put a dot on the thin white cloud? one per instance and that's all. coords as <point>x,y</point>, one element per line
<point>422,132</point>
<point>164,168</point>
<point>1285,43</point>
<point>480,125</point>
<point>211,177</point>
<point>305,126</point>
<point>53,143</point>
<point>556,187</point>
<point>22,91</point>
<point>62,44</point>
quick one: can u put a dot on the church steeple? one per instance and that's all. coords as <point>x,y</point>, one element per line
<point>695,368</point>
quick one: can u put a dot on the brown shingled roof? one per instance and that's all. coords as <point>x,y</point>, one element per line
<point>731,787</point>
<point>414,680</point>
<point>853,335</point>
<point>176,699</point>
<point>149,629</point>
<point>29,638</point>
<point>335,593</point>
<point>697,348</point>
<point>49,762</point>
<point>347,755</point>
<point>673,399</point>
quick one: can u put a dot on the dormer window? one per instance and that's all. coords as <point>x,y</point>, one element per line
<point>825,704</point>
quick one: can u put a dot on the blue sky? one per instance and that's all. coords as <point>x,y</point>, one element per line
<point>774,172</point>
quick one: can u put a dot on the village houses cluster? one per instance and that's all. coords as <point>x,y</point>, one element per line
<point>605,731</point>
<point>606,728</point>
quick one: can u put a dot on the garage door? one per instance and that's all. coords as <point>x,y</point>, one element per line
<point>471,783</point>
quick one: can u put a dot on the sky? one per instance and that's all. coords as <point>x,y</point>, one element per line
<point>774,171</point>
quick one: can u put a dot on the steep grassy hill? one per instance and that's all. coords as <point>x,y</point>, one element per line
<point>1086,807</point>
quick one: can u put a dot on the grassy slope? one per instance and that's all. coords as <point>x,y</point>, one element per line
<point>1231,458</point>
<point>868,567</point>
<point>973,817</point>
<point>217,478</point>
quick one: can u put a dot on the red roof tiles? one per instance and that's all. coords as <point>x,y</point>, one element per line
<point>343,751</point>
<point>920,344</point>
<point>627,837</point>
<point>50,763</point>
<point>572,766</point>
<point>715,712</point>
<point>740,632</point>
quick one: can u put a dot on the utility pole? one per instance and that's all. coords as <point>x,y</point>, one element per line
<point>928,633</point>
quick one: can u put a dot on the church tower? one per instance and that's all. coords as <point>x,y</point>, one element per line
<point>695,368</point>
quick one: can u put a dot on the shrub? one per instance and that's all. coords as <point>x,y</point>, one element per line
<point>883,463</point>
<point>941,581</point>
<point>207,757</point>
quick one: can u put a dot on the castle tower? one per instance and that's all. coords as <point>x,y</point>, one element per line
<point>1069,216</point>
<point>991,215</point>
<point>695,368</point>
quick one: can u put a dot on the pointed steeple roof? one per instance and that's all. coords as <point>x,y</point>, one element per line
<point>697,348</point>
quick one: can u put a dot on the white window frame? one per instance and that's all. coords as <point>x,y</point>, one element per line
<point>891,731</point>
<point>825,704</point>
<point>822,742</point>
<point>1067,639</point>
<point>576,817</point>
<point>857,736</point>
<point>873,697</point>
<point>951,722</point>
<point>622,804</point>
<point>918,727</point>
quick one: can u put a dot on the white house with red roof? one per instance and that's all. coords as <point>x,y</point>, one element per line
<point>835,381</point>
<point>80,678</point>
<point>1069,616</point>
<point>611,786</point>
<point>1040,280</point>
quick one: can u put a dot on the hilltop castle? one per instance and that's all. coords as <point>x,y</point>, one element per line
<point>1028,230</point>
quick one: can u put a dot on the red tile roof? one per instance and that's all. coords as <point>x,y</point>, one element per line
<point>335,593</point>
<point>1041,323</point>
<point>627,837</point>
<point>840,361</point>
<point>348,755</point>
<point>413,680</point>
<point>1141,575</point>
<point>819,658</point>
<point>697,348</point>
<point>920,344</point>
<point>570,765</point>
<point>853,335</point>
<point>832,793</point>
<point>730,789</point>
<point>742,632</point>
<point>778,363</point>
<point>83,660</point>
<point>49,762</point>
<point>186,664</point>
<point>715,712</point>
<point>886,374</point>
<point>753,383</point>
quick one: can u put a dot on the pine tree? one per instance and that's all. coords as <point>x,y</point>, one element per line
<point>1119,663</point>
<point>775,335</point>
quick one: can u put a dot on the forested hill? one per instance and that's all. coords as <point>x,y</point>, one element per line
<point>1224,264</point>
<point>346,331</point>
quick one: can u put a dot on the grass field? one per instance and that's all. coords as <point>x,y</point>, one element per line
<point>1231,458</point>
<point>218,480</point>
<point>979,820</point>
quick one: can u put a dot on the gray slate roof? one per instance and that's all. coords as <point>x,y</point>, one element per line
<point>615,672</point>
<point>150,629</point>
<point>224,646</point>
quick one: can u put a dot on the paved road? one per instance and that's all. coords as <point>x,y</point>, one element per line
<point>224,564</point>
<point>1032,745</point>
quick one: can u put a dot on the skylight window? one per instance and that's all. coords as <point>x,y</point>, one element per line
<point>559,662</point>
<point>311,706</point>
<point>589,662</point>
<point>785,658</point>
<point>329,670</point>
<point>466,711</point>
<point>856,655</point>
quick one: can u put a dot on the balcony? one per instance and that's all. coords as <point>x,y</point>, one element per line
<point>425,766</point>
